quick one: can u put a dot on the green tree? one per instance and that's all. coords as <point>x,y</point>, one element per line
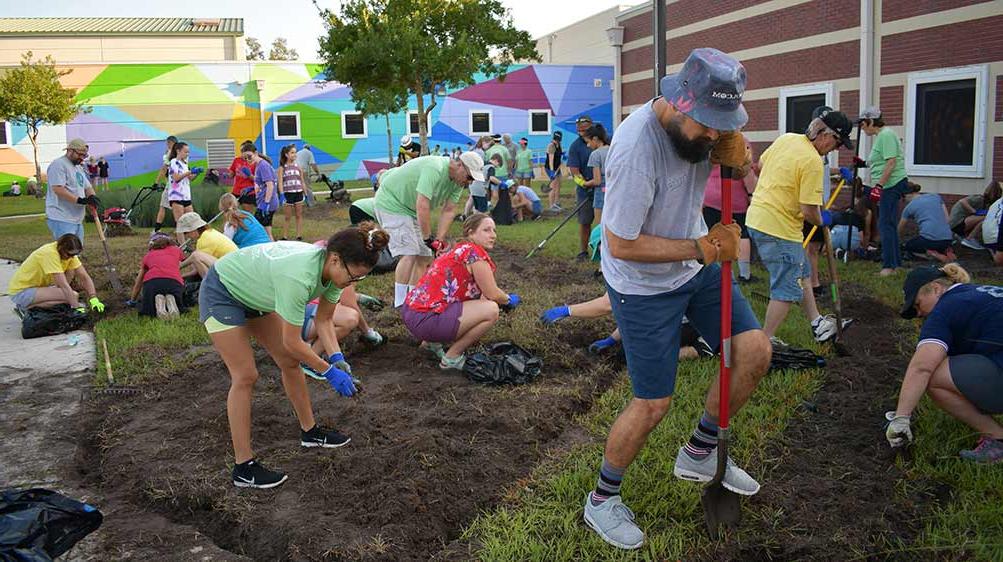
<point>31,95</point>
<point>417,46</point>
<point>254,51</point>
<point>281,51</point>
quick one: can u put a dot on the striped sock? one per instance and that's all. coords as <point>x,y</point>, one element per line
<point>608,485</point>
<point>704,438</point>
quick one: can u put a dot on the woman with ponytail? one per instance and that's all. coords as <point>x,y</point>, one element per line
<point>262,292</point>
<point>240,225</point>
<point>959,359</point>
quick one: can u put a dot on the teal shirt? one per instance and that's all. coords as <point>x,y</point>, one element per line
<point>887,145</point>
<point>425,175</point>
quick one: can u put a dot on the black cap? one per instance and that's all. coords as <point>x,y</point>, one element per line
<point>913,283</point>
<point>558,135</point>
<point>839,122</point>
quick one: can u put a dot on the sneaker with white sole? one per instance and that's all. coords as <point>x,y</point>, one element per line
<point>434,348</point>
<point>452,363</point>
<point>972,244</point>
<point>325,438</point>
<point>735,479</point>
<point>160,303</point>
<point>825,329</point>
<point>172,307</point>
<point>613,522</point>
<point>252,475</point>
<point>988,451</point>
<point>311,373</point>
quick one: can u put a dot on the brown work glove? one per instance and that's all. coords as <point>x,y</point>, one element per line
<point>707,250</point>
<point>724,238</point>
<point>730,151</point>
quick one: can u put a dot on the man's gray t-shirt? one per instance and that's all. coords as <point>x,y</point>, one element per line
<point>304,158</point>
<point>598,160</point>
<point>927,209</point>
<point>65,173</point>
<point>650,190</point>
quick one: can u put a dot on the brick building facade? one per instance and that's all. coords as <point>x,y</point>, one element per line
<point>935,67</point>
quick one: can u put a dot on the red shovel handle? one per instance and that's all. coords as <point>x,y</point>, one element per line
<point>725,372</point>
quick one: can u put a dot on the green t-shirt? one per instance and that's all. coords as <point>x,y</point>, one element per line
<point>367,205</point>
<point>500,150</point>
<point>887,145</point>
<point>524,160</point>
<point>279,277</point>
<point>427,175</point>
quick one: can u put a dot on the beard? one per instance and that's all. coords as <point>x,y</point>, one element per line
<point>693,151</point>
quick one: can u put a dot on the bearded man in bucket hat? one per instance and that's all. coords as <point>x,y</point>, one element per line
<point>660,262</point>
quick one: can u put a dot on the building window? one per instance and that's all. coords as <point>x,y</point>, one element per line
<point>353,125</point>
<point>4,133</point>
<point>413,127</point>
<point>797,103</point>
<point>480,122</point>
<point>945,131</point>
<point>286,125</point>
<point>539,121</point>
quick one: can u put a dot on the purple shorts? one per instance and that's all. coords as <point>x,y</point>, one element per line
<point>434,327</point>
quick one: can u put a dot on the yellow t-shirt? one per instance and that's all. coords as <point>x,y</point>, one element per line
<point>37,270</point>
<point>791,175</point>
<point>215,243</point>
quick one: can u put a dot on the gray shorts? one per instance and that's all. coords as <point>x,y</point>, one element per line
<point>405,236</point>
<point>980,380</point>
<point>218,309</point>
<point>23,299</point>
<point>163,199</point>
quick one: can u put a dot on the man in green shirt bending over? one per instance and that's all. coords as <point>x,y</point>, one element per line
<point>404,206</point>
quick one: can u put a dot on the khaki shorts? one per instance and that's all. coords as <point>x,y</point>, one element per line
<point>405,236</point>
<point>163,199</point>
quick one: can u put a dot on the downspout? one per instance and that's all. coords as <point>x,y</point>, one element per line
<point>615,36</point>
<point>867,82</point>
<point>261,114</point>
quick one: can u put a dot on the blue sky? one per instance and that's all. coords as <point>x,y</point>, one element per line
<point>296,20</point>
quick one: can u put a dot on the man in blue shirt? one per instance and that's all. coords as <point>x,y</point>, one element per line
<point>930,214</point>
<point>578,163</point>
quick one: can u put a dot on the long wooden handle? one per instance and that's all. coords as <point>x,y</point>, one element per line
<point>97,222</point>
<point>832,200</point>
<point>107,361</point>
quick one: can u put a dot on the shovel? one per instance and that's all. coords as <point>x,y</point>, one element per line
<point>116,283</point>
<point>721,506</point>
<point>834,286</point>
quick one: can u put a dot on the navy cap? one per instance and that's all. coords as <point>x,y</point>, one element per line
<point>839,122</point>
<point>709,89</point>
<point>913,283</point>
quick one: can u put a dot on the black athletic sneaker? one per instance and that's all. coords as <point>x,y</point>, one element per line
<point>252,475</point>
<point>320,437</point>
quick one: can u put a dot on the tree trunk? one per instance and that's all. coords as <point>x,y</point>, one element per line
<point>422,122</point>
<point>428,111</point>
<point>390,143</point>
<point>33,135</point>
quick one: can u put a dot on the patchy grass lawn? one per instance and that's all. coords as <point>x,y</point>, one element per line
<point>23,205</point>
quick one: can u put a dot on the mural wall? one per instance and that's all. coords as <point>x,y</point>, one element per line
<point>135,106</point>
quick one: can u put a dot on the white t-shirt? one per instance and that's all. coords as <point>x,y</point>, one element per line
<point>528,193</point>
<point>179,190</point>
<point>72,177</point>
<point>991,224</point>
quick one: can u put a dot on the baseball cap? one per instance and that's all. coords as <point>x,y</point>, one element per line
<point>406,140</point>
<point>189,222</point>
<point>709,89</point>
<point>873,112</point>
<point>839,122</point>
<point>474,164</point>
<point>913,283</point>
<point>583,119</point>
<point>77,144</point>
<point>496,137</point>
<point>558,135</point>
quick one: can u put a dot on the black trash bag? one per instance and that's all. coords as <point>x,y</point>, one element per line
<point>786,357</point>
<point>40,322</point>
<point>386,262</point>
<point>37,525</point>
<point>502,212</point>
<point>190,294</point>
<point>502,363</point>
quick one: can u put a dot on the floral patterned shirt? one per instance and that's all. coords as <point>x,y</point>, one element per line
<point>448,280</point>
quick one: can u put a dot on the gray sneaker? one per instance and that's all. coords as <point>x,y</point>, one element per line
<point>735,479</point>
<point>614,522</point>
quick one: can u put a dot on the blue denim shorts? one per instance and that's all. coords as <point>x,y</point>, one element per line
<point>599,197</point>
<point>59,228</point>
<point>23,299</point>
<point>787,264</point>
<point>651,326</point>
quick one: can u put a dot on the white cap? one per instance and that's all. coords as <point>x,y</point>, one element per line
<point>405,140</point>
<point>189,222</point>
<point>474,164</point>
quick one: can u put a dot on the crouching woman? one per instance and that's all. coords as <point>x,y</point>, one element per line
<point>959,359</point>
<point>457,300</point>
<point>261,292</point>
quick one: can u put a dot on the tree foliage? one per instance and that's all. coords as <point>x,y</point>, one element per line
<point>31,96</point>
<point>254,51</point>
<point>281,51</point>
<point>411,46</point>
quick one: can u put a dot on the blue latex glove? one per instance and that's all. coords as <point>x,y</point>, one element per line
<point>508,184</point>
<point>513,301</point>
<point>846,174</point>
<point>196,170</point>
<point>552,315</point>
<point>339,380</point>
<point>599,346</point>
<point>246,171</point>
<point>826,218</point>
<point>338,359</point>
<point>282,198</point>
<point>981,212</point>
<point>550,174</point>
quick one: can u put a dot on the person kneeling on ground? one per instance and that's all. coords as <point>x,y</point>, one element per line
<point>525,202</point>
<point>991,231</point>
<point>969,212</point>
<point>929,212</point>
<point>240,225</point>
<point>262,292</point>
<point>959,359</point>
<point>160,279</point>
<point>457,300</point>
<point>211,244</point>
<point>46,278</point>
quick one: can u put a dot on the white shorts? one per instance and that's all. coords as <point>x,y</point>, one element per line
<point>405,236</point>
<point>163,199</point>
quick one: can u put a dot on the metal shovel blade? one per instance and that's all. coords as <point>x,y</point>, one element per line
<point>721,506</point>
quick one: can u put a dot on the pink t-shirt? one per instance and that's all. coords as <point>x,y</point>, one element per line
<point>739,193</point>
<point>163,264</point>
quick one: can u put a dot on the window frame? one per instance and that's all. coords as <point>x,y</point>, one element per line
<point>977,169</point>
<point>365,125</point>
<point>275,125</point>
<point>407,123</point>
<point>831,100</point>
<point>470,122</point>
<point>7,135</point>
<point>529,125</point>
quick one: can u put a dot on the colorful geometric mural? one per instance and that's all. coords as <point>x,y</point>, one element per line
<point>135,106</point>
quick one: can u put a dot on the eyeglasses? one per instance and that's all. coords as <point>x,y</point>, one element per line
<point>352,278</point>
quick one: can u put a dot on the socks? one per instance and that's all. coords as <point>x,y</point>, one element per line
<point>608,485</point>
<point>743,269</point>
<point>814,323</point>
<point>157,226</point>
<point>704,438</point>
<point>400,294</point>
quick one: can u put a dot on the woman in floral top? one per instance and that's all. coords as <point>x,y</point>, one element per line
<point>457,300</point>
